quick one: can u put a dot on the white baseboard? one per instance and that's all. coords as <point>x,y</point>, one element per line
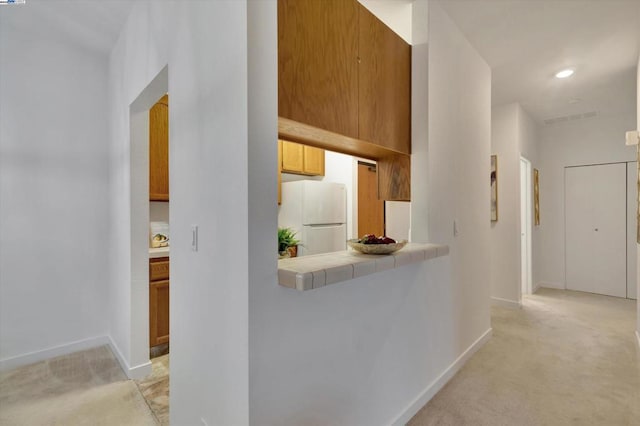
<point>536,287</point>
<point>638,337</point>
<point>506,303</point>
<point>135,372</point>
<point>441,380</point>
<point>546,284</point>
<point>66,349</point>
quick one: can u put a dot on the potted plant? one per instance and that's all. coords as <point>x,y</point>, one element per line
<point>287,242</point>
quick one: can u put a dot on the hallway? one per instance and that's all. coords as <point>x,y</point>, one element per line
<point>565,358</point>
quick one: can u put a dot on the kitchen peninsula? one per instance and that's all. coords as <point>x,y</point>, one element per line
<point>315,271</point>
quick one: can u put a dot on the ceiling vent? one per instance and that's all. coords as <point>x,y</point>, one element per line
<point>569,118</point>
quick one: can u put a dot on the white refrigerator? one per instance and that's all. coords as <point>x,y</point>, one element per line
<point>317,211</point>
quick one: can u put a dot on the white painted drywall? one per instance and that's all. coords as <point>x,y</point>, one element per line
<point>365,351</point>
<point>505,232</point>
<point>513,134</point>
<point>459,143</point>
<point>204,46</point>
<point>54,196</point>
<point>638,254</point>
<point>588,141</point>
<point>158,211</point>
<point>396,14</point>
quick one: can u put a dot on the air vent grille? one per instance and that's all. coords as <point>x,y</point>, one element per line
<point>567,118</point>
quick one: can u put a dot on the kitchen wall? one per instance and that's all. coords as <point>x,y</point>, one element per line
<point>588,141</point>
<point>341,168</point>
<point>158,211</point>
<point>513,134</point>
<point>54,196</point>
<point>338,169</point>
<point>365,351</point>
<point>204,45</point>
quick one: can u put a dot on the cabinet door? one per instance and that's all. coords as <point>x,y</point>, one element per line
<point>159,150</point>
<point>158,312</point>
<point>292,157</point>
<point>317,63</point>
<point>313,161</point>
<point>384,78</point>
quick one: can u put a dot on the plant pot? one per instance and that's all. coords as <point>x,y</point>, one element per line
<point>292,251</point>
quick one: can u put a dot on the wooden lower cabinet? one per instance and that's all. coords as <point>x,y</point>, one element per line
<point>158,301</point>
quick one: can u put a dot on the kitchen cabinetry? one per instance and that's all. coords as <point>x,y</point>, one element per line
<point>158,301</point>
<point>302,159</point>
<point>342,69</point>
<point>159,150</point>
<point>318,63</point>
<point>384,85</point>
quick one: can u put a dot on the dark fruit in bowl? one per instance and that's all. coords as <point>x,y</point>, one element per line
<point>372,239</point>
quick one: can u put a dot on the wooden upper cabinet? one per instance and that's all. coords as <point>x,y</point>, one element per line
<point>384,78</point>
<point>159,150</point>
<point>302,159</point>
<point>318,63</point>
<point>313,161</point>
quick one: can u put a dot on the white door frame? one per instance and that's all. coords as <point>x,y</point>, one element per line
<point>139,363</point>
<point>526,226</point>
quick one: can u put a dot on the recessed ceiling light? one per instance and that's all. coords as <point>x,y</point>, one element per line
<point>565,73</point>
<point>575,100</point>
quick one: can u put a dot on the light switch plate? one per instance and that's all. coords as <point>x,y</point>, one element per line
<point>194,237</point>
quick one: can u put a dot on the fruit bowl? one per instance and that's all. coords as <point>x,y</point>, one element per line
<point>375,248</point>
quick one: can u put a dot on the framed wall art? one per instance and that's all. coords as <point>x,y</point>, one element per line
<point>494,188</point>
<point>536,198</point>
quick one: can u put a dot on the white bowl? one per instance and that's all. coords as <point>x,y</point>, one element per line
<point>375,248</point>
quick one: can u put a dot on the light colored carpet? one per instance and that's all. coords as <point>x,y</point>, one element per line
<point>566,358</point>
<point>84,388</point>
<point>155,389</point>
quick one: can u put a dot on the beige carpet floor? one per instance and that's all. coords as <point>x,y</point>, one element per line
<point>84,388</point>
<point>566,358</point>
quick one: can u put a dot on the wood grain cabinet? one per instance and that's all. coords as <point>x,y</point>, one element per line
<point>342,69</point>
<point>158,301</point>
<point>318,63</point>
<point>302,159</point>
<point>384,85</point>
<point>159,150</point>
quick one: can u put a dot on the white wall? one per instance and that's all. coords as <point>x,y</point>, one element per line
<point>53,194</point>
<point>514,134</point>
<point>158,211</point>
<point>204,46</point>
<point>459,139</point>
<point>638,128</point>
<point>505,232</point>
<point>590,141</point>
<point>395,14</point>
<point>367,352</point>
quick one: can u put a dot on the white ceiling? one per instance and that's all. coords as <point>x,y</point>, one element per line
<point>525,42</point>
<point>94,24</point>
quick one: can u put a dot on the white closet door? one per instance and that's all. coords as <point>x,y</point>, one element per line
<point>632,208</point>
<point>595,226</point>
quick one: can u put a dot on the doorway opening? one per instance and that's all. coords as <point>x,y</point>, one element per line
<point>526,209</point>
<point>149,267</point>
<point>370,208</point>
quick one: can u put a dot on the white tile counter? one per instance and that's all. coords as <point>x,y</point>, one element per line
<point>311,272</point>
<point>158,252</point>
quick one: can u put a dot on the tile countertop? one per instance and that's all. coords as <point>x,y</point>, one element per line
<point>158,252</point>
<point>311,272</point>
